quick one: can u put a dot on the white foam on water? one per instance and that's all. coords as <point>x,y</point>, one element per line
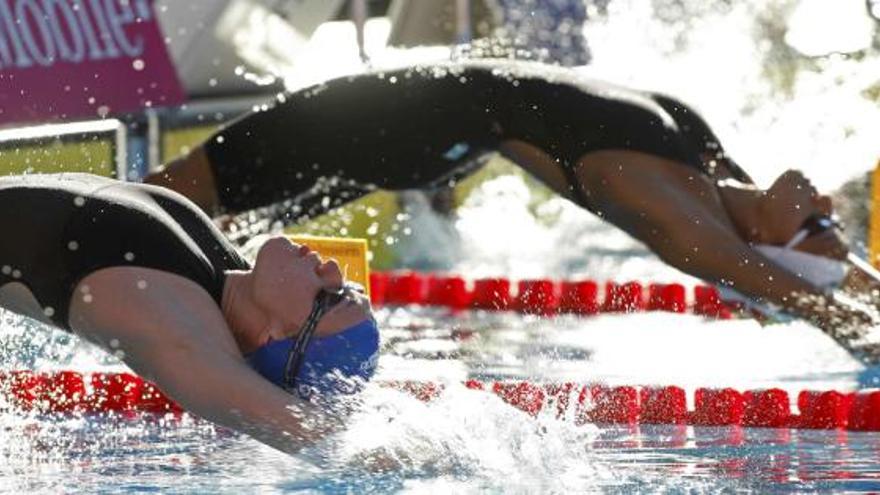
<point>772,107</point>
<point>471,433</point>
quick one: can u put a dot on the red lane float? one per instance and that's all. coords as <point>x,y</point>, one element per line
<point>767,408</point>
<point>718,407</point>
<point>449,292</point>
<point>542,296</point>
<point>666,405</point>
<point>824,410</point>
<point>612,405</point>
<point>707,302</point>
<point>580,298</point>
<point>625,298</point>
<point>492,294</point>
<point>536,297</point>
<point>71,392</point>
<point>864,414</point>
<point>406,288</point>
<point>667,297</point>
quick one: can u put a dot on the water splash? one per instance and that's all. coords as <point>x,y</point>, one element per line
<point>470,435</point>
<point>773,106</point>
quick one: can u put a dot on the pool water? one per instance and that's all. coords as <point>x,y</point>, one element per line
<point>468,441</point>
<point>773,106</point>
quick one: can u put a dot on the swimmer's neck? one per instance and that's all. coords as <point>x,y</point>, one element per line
<point>249,324</point>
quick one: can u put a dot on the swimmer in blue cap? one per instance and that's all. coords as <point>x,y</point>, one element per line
<point>643,161</point>
<point>140,271</point>
<point>329,365</point>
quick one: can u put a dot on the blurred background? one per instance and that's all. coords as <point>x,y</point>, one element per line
<point>119,87</point>
<point>786,83</point>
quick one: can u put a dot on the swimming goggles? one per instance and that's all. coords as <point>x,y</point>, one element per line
<point>817,224</point>
<point>813,225</point>
<point>324,301</point>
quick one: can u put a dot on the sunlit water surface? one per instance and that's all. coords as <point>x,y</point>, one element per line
<point>774,107</point>
<point>468,440</point>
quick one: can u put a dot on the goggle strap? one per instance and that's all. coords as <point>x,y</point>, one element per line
<point>298,351</point>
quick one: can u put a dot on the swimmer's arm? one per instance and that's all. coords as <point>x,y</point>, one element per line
<point>224,390</point>
<point>173,334</point>
<point>191,176</point>
<point>670,208</point>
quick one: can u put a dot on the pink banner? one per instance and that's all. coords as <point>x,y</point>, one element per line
<point>74,59</point>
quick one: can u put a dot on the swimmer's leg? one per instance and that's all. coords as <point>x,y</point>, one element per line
<point>191,176</point>
<point>541,165</point>
<point>676,211</point>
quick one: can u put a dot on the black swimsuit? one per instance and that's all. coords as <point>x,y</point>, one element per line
<point>59,228</point>
<point>400,129</point>
<point>423,126</point>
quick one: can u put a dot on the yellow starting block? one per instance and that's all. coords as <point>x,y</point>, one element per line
<point>351,254</point>
<point>874,220</point>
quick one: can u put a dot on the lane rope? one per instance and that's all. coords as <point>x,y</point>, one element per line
<point>544,296</point>
<point>70,392</point>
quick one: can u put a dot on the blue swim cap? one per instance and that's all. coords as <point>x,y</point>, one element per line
<point>337,364</point>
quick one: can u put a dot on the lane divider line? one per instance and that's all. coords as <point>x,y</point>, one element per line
<point>68,392</point>
<point>543,297</point>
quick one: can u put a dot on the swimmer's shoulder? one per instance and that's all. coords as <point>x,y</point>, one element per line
<point>77,183</point>
<point>89,187</point>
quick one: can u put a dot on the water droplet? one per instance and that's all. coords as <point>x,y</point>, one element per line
<point>129,256</point>
<point>220,139</point>
<point>73,245</point>
<point>142,284</point>
<point>114,343</point>
<point>6,270</point>
<point>87,298</point>
<point>138,64</point>
<point>49,311</point>
<point>16,273</point>
<point>79,201</point>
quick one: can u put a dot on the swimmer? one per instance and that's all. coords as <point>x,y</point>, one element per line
<point>142,272</point>
<point>645,162</point>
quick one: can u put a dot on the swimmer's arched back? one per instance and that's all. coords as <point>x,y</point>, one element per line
<point>418,126</point>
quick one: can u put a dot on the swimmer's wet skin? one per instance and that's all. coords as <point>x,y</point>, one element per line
<point>328,366</point>
<point>141,271</point>
<point>643,161</point>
